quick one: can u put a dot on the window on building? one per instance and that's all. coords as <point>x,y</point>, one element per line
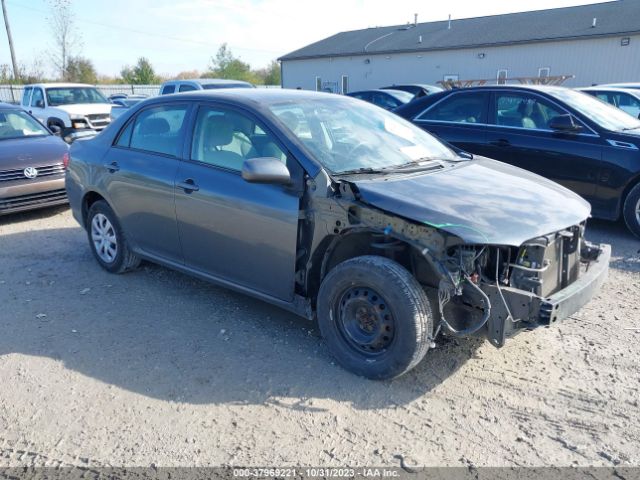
<point>345,84</point>
<point>544,72</point>
<point>502,76</point>
<point>318,84</point>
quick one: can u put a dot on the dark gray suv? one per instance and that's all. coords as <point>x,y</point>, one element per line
<point>337,210</point>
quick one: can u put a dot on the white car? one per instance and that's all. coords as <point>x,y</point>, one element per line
<point>177,86</point>
<point>71,109</point>
<point>626,99</point>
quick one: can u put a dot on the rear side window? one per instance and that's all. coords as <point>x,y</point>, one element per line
<point>168,89</point>
<point>157,130</point>
<point>186,88</point>
<point>468,107</point>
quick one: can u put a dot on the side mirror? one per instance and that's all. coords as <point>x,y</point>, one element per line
<point>56,130</point>
<point>564,124</point>
<point>266,170</point>
<point>39,104</point>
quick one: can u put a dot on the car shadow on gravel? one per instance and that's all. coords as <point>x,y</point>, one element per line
<point>165,335</point>
<point>30,215</point>
<point>625,246</point>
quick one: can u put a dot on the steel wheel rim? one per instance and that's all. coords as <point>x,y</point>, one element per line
<point>103,236</point>
<point>365,321</point>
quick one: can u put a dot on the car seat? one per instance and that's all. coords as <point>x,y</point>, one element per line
<point>217,136</point>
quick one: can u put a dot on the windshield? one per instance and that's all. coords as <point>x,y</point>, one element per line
<point>72,95</point>
<point>346,135</point>
<point>605,115</point>
<point>18,124</point>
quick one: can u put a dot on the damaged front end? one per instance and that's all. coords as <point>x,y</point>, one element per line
<point>477,285</point>
<point>499,290</point>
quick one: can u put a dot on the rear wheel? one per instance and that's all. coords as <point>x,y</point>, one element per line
<point>107,241</point>
<point>631,210</point>
<point>375,317</point>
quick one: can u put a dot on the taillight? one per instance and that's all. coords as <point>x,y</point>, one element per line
<point>66,159</point>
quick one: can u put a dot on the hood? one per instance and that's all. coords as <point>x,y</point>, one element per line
<point>86,108</point>
<point>481,201</point>
<point>31,152</point>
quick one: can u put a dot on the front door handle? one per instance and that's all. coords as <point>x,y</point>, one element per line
<point>188,186</point>
<point>502,142</point>
<point>112,167</point>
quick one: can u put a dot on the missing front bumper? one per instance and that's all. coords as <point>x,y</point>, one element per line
<point>514,310</point>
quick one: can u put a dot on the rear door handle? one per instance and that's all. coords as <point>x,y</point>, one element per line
<point>500,143</point>
<point>188,186</point>
<point>112,167</point>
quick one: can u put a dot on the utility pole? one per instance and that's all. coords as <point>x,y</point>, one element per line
<point>13,53</point>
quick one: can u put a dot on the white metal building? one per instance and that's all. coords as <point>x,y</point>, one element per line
<point>598,43</point>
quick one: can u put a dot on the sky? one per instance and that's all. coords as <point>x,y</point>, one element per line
<point>183,35</point>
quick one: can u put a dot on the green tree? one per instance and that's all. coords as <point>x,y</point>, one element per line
<point>271,74</point>
<point>142,73</point>
<point>225,65</point>
<point>81,70</point>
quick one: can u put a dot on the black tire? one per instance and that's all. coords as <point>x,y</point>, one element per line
<point>631,210</point>
<point>351,302</point>
<point>123,258</point>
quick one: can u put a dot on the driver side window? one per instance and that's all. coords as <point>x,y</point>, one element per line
<point>225,138</point>
<point>37,98</point>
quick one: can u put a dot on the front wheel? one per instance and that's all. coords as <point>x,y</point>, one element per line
<point>107,241</point>
<point>631,210</point>
<point>375,317</point>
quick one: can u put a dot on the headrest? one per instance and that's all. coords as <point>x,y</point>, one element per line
<point>154,126</point>
<point>218,131</point>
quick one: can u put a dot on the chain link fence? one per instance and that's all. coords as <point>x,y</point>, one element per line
<point>13,93</point>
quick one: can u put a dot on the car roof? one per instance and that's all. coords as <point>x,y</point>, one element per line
<point>534,88</point>
<point>421,85</point>
<point>622,85</point>
<point>250,97</point>
<point>60,85</point>
<point>9,106</point>
<point>209,81</point>
<point>382,90</point>
<point>604,88</point>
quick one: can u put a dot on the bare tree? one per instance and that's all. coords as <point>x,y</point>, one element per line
<point>66,39</point>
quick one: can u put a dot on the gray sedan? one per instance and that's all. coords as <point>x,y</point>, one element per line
<point>338,210</point>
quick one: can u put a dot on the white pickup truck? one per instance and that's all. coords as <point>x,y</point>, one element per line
<point>71,110</point>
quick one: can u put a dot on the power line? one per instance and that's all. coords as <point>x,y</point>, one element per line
<point>150,34</point>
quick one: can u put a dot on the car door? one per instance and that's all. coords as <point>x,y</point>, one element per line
<point>459,119</point>
<point>140,171</point>
<point>37,108</point>
<point>520,134</point>
<point>235,231</point>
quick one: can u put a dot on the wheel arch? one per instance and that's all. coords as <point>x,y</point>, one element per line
<point>352,243</point>
<point>88,199</point>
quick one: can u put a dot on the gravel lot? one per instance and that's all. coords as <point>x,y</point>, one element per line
<point>154,367</point>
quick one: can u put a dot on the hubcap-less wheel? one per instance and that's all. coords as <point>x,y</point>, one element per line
<point>104,239</point>
<point>638,212</point>
<point>365,321</point>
